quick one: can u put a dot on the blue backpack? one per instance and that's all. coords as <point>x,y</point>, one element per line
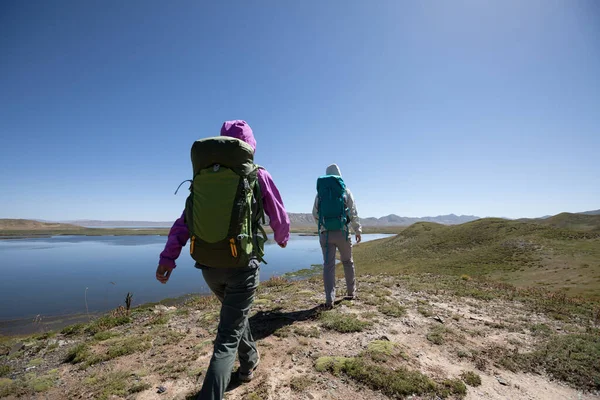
<point>333,214</point>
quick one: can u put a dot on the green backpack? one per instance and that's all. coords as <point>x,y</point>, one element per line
<point>224,210</point>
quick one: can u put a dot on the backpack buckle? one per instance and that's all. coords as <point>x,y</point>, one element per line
<point>216,167</point>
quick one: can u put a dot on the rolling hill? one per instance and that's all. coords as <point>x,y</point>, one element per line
<point>559,254</point>
<point>26,228</point>
<point>94,223</point>
<point>581,221</point>
<point>27,224</point>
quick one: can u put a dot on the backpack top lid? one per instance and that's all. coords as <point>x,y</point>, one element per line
<point>327,181</point>
<point>229,152</point>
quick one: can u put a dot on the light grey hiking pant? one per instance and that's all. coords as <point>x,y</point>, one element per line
<point>235,288</point>
<point>330,241</point>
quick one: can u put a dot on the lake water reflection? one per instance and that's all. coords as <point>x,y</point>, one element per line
<point>55,275</point>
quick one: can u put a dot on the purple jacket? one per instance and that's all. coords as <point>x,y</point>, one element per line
<point>272,202</point>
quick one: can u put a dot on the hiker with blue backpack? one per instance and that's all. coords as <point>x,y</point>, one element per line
<point>335,211</point>
<point>223,217</point>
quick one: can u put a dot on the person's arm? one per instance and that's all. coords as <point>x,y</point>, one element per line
<point>315,211</point>
<point>354,219</point>
<point>178,237</point>
<point>274,208</point>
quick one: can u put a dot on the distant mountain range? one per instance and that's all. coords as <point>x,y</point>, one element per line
<point>297,219</point>
<point>390,220</point>
<point>305,219</point>
<point>395,220</point>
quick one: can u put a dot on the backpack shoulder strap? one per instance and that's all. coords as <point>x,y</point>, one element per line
<point>258,219</point>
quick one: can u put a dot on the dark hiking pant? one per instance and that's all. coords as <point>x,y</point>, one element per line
<point>235,288</point>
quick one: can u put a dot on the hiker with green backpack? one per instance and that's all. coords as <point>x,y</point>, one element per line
<point>334,211</point>
<point>223,218</point>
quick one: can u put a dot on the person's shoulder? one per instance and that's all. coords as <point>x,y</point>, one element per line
<point>349,195</point>
<point>262,172</point>
<point>264,177</point>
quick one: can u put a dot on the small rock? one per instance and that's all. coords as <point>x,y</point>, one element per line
<point>161,389</point>
<point>310,396</point>
<point>16,348</point>
<point>502,381</point>
<point>172,308</point>
<point>294,359</point>
<point>384,337</point>
<point>439,319</point>
<point>29,368</point>
<point>328,341</point>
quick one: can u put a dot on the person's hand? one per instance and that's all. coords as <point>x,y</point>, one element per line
<point>282,245</point>
<point>358,238</point>
<point>163,273</point>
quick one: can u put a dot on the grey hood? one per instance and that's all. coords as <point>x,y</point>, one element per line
<point>333,169</point>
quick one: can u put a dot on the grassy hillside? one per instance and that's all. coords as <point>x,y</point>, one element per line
<point>516,252</point>
<point>582,222</point>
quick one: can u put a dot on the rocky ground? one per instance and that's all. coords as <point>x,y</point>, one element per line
<point>402,338</point>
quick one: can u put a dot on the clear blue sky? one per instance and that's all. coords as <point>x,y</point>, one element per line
<point>429,107</point>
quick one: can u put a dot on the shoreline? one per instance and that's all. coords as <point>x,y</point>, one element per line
<point>40,234</point>
<point>31,325</point>
<point>91,232</point>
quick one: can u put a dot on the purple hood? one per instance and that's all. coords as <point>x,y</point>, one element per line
<point>239,129</point>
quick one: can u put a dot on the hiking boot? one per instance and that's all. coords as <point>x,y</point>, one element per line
<point>326,307</point>
<point>353,297</point>
<point>248,376</point>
